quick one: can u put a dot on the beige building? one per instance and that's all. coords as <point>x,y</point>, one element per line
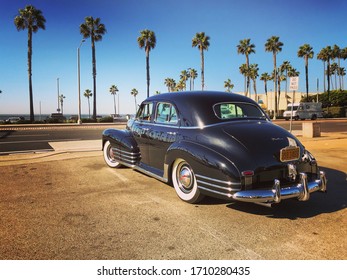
<point>268,102</point>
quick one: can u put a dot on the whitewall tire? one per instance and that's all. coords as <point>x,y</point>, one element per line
<point>109,156</point>
<point>184,182</point>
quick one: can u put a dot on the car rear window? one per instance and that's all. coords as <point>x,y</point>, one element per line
<point>226,111</point>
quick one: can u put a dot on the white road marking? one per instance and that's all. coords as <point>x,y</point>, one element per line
<point>119,176</point>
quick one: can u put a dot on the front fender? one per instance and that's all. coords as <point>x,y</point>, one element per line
<point>121,139</point>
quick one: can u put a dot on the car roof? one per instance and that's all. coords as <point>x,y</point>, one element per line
<point>196,107</point>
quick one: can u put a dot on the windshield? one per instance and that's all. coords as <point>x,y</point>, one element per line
<point>227,111</point>
<point>289,108</point>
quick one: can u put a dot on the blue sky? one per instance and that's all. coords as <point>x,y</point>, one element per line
<point>175,22</point>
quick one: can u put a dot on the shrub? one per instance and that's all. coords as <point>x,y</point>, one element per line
<point>334,112</point>
<point>106,119</point>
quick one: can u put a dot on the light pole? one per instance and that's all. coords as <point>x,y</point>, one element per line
<point>58,109</point>
<point>79,121</point>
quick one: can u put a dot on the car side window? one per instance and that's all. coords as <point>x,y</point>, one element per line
<point>145,112</point>
<point>166,113</point>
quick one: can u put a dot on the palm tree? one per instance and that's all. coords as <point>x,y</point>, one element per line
<point>167,84</point>
<point>323,55</point>
<point>333,72</point>
<point>253,74</point>
<point>147,40</point>
<point>342,73</point>
<point>171,84</point>
<point>113,91</point>
<point>285,67</point>
<point>180,86</point>
<point>280,77</point>
<point>228,85</point>
<point>306,52</point>
<point>244,71</point>
<point>184,77</point>
<point>88,93</point>
<point>337,54</point>
<point>327,53</point>
<point>94,29</point>
<point>275,46</point>
<point>202,42</point>
<point>32,19</point>
<point>245,47</point>
<point>265,77</point>
<point>193,74</point>
<point>134,92</point>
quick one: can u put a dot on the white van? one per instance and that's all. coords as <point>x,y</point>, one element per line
<point>304,110</point>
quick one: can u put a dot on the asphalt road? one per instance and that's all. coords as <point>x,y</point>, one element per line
<point>37,139</point>
<point>26,140</point>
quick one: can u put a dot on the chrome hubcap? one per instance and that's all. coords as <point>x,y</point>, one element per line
<point>111,154</point>
<point>185,177</point>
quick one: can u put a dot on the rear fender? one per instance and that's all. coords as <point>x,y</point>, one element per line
<point>203,160</point>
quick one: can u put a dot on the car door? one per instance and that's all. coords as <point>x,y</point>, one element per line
<point>141,128</point>
<point>162,133</point>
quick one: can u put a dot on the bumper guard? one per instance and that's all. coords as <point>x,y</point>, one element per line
<point>300,191</point>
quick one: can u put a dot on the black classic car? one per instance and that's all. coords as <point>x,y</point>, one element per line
<point>215,144</point>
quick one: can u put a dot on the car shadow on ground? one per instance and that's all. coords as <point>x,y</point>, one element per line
<point>334,200</point>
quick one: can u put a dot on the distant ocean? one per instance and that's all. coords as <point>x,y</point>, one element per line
<point>38,117</point>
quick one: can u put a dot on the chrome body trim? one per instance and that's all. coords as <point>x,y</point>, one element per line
<point>142,170</point>
<point>300,191</point>
<point>219,187</point>
<point>126,157</point>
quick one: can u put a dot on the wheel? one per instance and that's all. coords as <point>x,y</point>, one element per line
<point>184,182</point>
<point>314,117</point>
<point>109,156</point>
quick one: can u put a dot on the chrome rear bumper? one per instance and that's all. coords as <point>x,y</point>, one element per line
<point>300,191</point>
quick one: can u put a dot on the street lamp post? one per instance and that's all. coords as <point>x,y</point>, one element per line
<point>58,109</point>
<point>79,121</point>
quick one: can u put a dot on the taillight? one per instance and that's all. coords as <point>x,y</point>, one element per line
<point>247,177</point>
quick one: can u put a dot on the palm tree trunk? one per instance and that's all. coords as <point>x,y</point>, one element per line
<point>267,101</point>
<point>202,69</point>
<point>147,69</point>
<point>324,74</point>
<point>328,73</point>
<point>275,84</point>
<point>114,104</point>
<point>279,93</point>
<point>89,107</point>
<point>94,79</point>
<point>306,74</point>
<point>248,79</point>
<point>31,99</point>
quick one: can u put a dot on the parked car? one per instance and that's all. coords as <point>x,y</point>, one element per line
<point>56,118</point>
<point>304,110</point>
<point>14,120</point>
<point>215,144</point>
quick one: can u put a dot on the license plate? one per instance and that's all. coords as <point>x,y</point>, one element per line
<point>289,154</point>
